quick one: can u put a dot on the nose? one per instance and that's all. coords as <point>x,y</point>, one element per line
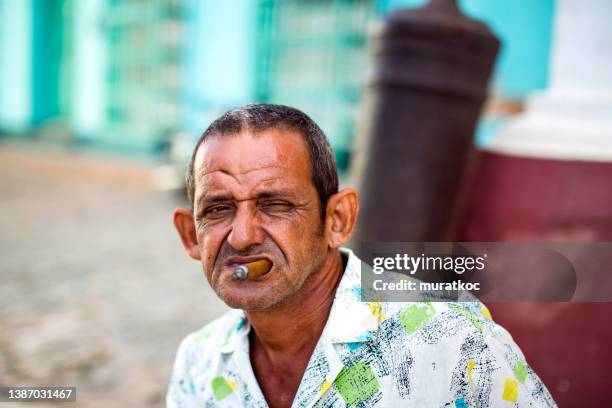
<point>246,230</point>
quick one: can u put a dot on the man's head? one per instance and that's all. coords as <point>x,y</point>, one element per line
<point>263,184</point>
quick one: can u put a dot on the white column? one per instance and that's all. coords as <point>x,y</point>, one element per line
<point>572,119</point>
<point>89,97</point>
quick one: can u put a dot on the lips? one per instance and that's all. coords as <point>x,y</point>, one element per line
<point>239,260</point>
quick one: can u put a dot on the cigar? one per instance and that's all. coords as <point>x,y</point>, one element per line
<point>252,269</point>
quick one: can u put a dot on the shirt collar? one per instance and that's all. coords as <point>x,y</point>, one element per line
<point>237,336</point>
<point>351,320</point>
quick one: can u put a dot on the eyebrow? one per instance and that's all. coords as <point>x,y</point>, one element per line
<point>214,198</point>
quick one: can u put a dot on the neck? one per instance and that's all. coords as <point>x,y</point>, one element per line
<point>296,326</point>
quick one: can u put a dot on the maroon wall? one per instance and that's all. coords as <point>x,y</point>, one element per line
<point>528,200</point>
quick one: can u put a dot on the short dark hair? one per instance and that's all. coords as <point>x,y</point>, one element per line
<point>259,117</point>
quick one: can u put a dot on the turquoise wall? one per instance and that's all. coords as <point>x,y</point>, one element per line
<point>46,57</point>
<point>16,65</point>
<point>218,59</point>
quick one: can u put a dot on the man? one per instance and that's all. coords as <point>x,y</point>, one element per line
<point>263,185</point>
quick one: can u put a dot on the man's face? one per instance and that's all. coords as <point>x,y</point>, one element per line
<point>254,198</point>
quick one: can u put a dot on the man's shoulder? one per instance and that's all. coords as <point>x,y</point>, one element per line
<point>210,337</point>
<point>439,321</point>
<point>198,358</point>
<point>456,346</point>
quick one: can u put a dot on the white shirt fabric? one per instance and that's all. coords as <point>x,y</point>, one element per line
<point>370,354</point>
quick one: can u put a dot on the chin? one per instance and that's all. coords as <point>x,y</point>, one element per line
<point>248,305</point>
<point>246,301</point>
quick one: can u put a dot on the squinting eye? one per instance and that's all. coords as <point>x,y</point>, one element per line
<point>216,210</point>
<point>277,206</point>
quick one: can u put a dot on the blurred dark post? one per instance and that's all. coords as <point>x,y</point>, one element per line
<point>430,81</point>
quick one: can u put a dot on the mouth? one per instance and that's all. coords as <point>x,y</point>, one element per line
<point>241,260</point>
<point>251,267</point>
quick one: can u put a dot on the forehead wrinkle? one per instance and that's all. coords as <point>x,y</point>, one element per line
<point>279,154</point>
<point>242,173</point>
<point>241,190</point>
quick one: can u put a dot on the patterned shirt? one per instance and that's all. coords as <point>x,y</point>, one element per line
<point>370,354</point>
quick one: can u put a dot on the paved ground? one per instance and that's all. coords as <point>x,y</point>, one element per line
<point>95,289</point>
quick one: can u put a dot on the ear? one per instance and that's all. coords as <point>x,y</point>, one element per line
<point>341,217</point>
<point>185,225</point>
